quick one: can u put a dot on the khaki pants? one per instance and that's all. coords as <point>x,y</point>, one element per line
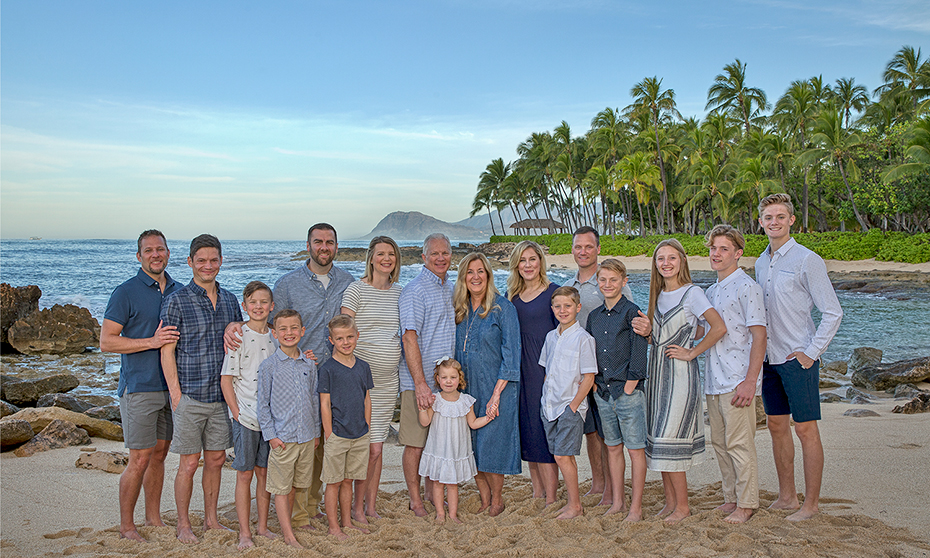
<point>307,501</point>
<point>732,434</point>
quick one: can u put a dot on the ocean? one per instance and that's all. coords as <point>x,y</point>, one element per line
<point>85,272</point>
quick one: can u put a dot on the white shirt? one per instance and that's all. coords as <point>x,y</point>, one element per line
<point>242,364</point>
<point>695,303</point>
<point>566,357</point>
<point>738,300</point>
<point>794,280</point>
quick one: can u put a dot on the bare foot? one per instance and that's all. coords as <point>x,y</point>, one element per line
<point>605,501</point>
<point>595,490</point>
<point>571,513</point>
<point>666,510</point>
<point>220,526</point>
<point>440,519</point>
<point>484,506</point>
<point>789,504</point>
<point>293,542</point>
<point>455,519</point>
<point>372,513</point>
<point>268,534</point>
<point>615,509</point>
<point>319,515</point>
<point>739,515</point>
<point>802,514</point>
<point>245,542</point>
<point>357,528</point>
<point>419,511</point>
<point>727,507</point>
<point>338,534</point>
<point>360,517</point>
<point>634,516</point>
<point>187,536</point>
<point>307,527</point>
<point>677,516</point>
<point>495,511</point>
<point>155,523</point>
<point>133,536</point>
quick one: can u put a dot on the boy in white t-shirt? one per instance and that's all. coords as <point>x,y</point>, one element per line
<point>240,389</point>
<point>732,373</point>
<point>571,363</point>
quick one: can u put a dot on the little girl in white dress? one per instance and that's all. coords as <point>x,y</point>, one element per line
<point>447,457</point>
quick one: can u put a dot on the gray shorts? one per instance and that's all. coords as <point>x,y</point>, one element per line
<point>200,427</point>
<point>251,448</point>
<point>146,418</point>
<point>565,433</point>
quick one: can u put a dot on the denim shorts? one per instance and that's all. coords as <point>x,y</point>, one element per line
<point>250,447</point>
<point>565,433</point>
<point>789,388</point>
<point>624,419</point>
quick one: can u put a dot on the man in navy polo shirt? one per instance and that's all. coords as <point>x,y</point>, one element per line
<point>131,327</point>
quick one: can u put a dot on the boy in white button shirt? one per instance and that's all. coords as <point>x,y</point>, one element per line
<point>794,280</point>
<point>571,362</point>
<point>732,373</point>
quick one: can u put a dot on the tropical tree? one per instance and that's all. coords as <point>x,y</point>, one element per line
<point>730,94</point>
<point>491,185</point>
<point>850,96</point>
<point>918,153</point>
<point>638,171</point>
<point>908,76</point>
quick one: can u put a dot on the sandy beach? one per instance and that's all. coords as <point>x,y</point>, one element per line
<point>874,504</point>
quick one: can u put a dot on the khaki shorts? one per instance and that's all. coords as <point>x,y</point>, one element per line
<point>290,467</point>
<point>345,458</point>
<point>411,433</point>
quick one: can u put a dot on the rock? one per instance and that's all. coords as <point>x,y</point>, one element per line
<point>107,412</point>
<point>39,419</point>
<point>56,330</point>
<point>14,432</point>
<point>863,357</point>
<point>860,413</point>
<point>64,401</point>
<point>861,400</point>
<point>883,376</point>
<point>7,409</point>
<point>905,391</point>
<point>920,404</point>
<point>16,303</point>
<point>58,434</point>
<point>830,398</point>
<point>97,400</point>
<point>109,461</point>
<point>26,393</point>
<point>827,383</point>
<point>852,393</point>
<point>835,368</point>
<point>89,449</point>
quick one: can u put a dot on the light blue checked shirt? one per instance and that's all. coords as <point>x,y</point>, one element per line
<point>426,307</point>
<point>288,400</point>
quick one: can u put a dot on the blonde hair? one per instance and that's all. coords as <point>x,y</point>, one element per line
<point>772,199</point>
<point>453,364</point>
<point>341,321</point>
<point>732,234</point>
<point>370,258</point>
<point>461,296</point>
<point>515,282</point>
<point>570,292</point>
<point>613,264</point>
<point>657,282</point>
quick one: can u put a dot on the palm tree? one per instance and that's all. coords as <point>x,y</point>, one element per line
<point>906,75</point>
<point>491,183</point>
<point>729,93</point>
<point>794,114</point>
<point>639,172</point>
<point>918,150</point>
<point>483,200</point>
<point>850,96</point>
<point>714,185</point>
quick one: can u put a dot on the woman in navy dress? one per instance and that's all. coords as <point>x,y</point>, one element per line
<point>530,291</point>
<point>487,344</point>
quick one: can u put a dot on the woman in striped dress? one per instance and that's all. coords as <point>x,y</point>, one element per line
<point>372,300</point>
<point>674,414</point>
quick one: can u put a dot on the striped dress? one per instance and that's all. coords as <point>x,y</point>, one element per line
<point>378,320</point>
<point>674,413</point>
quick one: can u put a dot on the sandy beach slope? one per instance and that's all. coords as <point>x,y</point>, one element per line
<point>875,496</point>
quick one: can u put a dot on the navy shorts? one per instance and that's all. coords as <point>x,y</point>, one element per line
<point>592,421</point>
<point>250,447</point>
<point>790,389</point>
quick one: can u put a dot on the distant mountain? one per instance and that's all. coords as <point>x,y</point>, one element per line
<point>413,225</point>
<point>483,223</point>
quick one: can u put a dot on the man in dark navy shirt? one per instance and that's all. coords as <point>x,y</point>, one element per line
<point>131,327</point>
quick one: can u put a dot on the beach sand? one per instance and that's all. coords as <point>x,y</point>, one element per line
<point>702,263</point>
<point>875,495</point>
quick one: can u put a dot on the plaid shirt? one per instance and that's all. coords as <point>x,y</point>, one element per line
<point>199,351</point>
<point>288,399</point>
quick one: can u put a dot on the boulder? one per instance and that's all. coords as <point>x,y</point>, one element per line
<point>906,391</point>
<point>107,412</point>
<point>58,434</point>
<point>14,432</point>
<point>862,400</point>
<point>863,357</point>
<point>920,404</point>
<point>827,383</point>
<point>39,419</point>
<point>16,303</point>
<point>860,413</point>
<point>109,461</point>
<point>64,401</point>
<point>830,398</point>
<point>7,409</point>
<point>883,376</point>
<point>834,368</point>
<point>26,393</point>
<point>56,330</point>
<point>852,393</point>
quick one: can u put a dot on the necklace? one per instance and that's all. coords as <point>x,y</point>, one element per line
<point>471,320</point>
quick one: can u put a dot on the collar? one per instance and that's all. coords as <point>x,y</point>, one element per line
<point>149,282</point>
<point>571,328</point>
<point>731,277</point>
<point>282,356</point>
<point>433,277</point>
<point>784,248</point>
<point>592,280</point>
<point>200,290</point>
<point>616,307</point>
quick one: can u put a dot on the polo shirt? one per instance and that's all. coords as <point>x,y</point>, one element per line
<point>621,353</point>
<point>347,388</point>
<point>136,305</point>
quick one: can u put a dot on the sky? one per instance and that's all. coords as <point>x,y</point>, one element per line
<point>254,120</point>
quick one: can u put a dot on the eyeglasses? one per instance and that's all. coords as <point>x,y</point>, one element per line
<point>442,360</point>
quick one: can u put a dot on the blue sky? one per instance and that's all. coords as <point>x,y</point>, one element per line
<point>254,120</point>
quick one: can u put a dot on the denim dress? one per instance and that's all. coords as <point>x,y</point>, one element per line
<point>489,350</point>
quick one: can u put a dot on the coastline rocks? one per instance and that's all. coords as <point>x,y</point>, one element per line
<point>7,409</point>
<point>827,383</point>
<point>64,401</point>
<point>40,418</point>
<point>14,432</point>
<point>906,391</point>
<point>56,330</point>
<point>58,434</point>
<point>861,400</point>
<point>859,413</point>
<point>852,393</point>
<point>106,412</point>
<point>835,368</point>
<point>920,404</point>
<point>883,376</point>
<point>864,357</point>
<point>26,393</point>
<point>108,461</point>
<point>16,303</point>
<point>830,398</point>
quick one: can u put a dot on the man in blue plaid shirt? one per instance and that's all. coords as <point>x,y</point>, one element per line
<point>192,366</point>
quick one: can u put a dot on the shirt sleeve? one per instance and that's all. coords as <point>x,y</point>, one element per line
<point>753,303</point>
<point>696,302</point>
<point>821,291</point>
<point>171,312</point>
<point>412,311</point>
<point>510,342</point>
<point>265,420</point>
<point>323,381</point>
<point>369,381</point>
<point>637,369</point>
<point>587,356</point>
<point>118,307</point>
<point>351,298</point>
<point>231,363</point>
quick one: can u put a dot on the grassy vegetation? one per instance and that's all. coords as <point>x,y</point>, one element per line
<point>847,246</point>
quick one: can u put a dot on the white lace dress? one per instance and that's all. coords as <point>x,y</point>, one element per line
<point>448,457</point>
